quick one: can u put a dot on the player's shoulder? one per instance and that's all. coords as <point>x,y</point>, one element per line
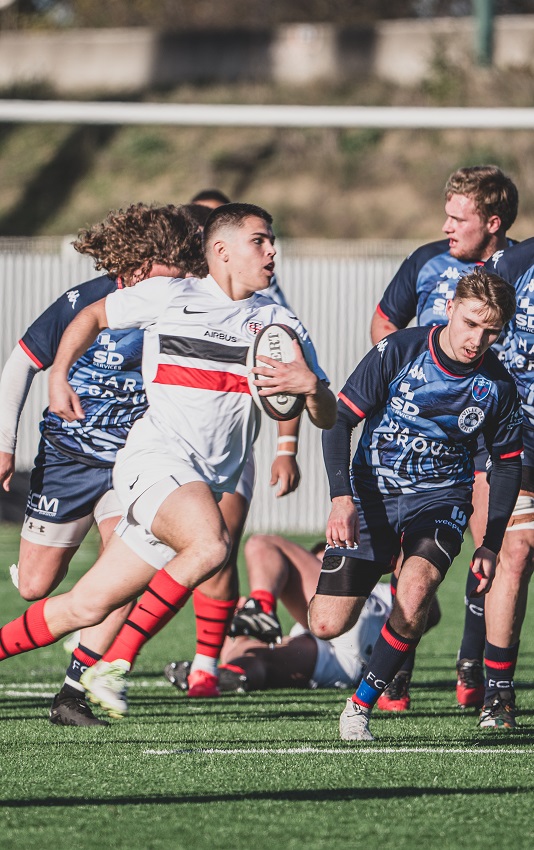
<point>428,252</point>
<point>513,262</point>
<point>495,369</point>
<point>88,292</point>
<point>404,339</point>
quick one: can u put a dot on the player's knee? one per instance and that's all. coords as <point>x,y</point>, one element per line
<point>215,554</point>
<point>257,546</point>
<point>324,622</point>
<point>515,559</point>
<point>33,587</point>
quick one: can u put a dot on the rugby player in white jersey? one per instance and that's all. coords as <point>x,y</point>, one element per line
<point>191,445</point>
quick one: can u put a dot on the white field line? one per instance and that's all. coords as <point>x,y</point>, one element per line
<point>13,688</point>
<point>289,751</point>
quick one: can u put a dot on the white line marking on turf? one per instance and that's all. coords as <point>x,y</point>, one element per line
<point>283,751</point>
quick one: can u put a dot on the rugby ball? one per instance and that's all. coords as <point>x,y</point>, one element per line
<point>275,341</point>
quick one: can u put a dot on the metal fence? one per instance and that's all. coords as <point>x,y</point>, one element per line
<point>333,286</point>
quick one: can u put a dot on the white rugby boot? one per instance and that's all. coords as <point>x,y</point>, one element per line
<point>354,723</point>
<point>106,685</point>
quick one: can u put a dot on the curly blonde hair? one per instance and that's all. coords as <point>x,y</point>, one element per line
<point>142,235</point>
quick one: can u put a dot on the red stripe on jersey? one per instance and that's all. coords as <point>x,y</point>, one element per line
<point>399,645</point>
<point>511,454</point>
<point>499,665</point>
<point>352,406</point>
<point>201,379</point>
<point>381,313</point>
<point>29,353</point>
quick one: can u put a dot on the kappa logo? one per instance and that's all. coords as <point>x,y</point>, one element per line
<point>73,296</point>
<point>470,418</point>
<point>451,273</point>
<point>381,346</point>
<point>496,257</point>
<point>480,389</point>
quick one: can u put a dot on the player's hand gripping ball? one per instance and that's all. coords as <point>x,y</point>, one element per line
<point>274,341</point>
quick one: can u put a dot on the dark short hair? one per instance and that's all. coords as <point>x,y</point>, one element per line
<point>198,213</point>
<point>210,195</point>
<point>493,193</point>
<point>233,215</point>
<point>318,547</point>
<point>497,295</point>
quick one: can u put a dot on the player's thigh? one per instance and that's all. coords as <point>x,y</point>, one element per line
<point>303,570</point>
<point>41,568</point>
<point>107,514</point>
<point>189,519</point>
<point>479,518</point>
<point>117,577</point>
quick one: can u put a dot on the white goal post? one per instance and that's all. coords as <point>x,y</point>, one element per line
<point>233,115</point>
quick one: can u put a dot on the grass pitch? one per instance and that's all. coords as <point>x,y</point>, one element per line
<point>263,770</point>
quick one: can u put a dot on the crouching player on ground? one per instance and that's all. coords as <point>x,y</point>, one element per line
<point>426,395</point>
<point>192,444</point>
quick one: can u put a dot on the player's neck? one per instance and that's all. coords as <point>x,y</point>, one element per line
<point>498,243</point>
<point>232,286</point>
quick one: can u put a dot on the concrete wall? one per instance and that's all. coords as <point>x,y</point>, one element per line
<point>131,60</point>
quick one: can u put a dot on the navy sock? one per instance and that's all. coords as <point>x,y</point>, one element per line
<point>80,660</point>
<point>389,652</point>
<point>474,636</point>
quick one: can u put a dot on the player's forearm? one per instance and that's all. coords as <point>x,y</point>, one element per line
<point>15,383</point>
<point>321,406</point>
<point>78,336</point>
<point>337,453</point>
<point>505,482</point>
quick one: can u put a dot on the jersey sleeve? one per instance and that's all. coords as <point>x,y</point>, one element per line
<point>504,435</point>
<point>368,386</point>
<point>399,302</point>
<point>138,306</point>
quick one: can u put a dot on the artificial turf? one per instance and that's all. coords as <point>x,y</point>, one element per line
<point>262,770</point>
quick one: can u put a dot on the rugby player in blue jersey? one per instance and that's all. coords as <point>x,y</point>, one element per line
<point>480,206</point>
<point>506,602</point>
<point>71,483</point>
<point>426,395</point>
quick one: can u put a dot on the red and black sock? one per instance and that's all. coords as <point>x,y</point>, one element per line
<point>26,633</point>
<point>387,657</point>
<point>213,617</point>
<point>500,669</point>
<point>162,599</point>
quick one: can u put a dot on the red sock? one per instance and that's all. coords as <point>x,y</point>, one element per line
<point>25,633</point>
<point>213,618</point>
<point>266,599</point>
<point>162,599</point>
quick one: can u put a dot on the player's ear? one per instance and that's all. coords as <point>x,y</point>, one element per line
<point>220,250</point>
<point>450,308</point>
<point>494,224</point>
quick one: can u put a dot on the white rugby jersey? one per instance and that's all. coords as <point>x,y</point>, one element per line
<point>194,365</point>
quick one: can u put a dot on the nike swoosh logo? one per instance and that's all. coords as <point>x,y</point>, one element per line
<point>194,312</point>
<point>135,482</point>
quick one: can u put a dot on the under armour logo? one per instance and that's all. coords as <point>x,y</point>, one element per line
<point>33,527</point>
